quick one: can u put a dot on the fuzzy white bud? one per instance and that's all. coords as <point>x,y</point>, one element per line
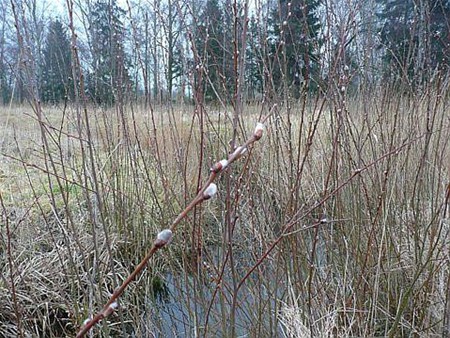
<point>223,163</point>
<point>259,130</point>
<point>163,238</point>
<point>210,191</point>
<point>165,235</point>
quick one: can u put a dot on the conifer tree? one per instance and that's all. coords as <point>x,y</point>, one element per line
<point>255,60</point>
<point>109,76</point>
<point>56,68</point>
<point>295,45</point>
<point>416,38</point>
<point>210,32</point>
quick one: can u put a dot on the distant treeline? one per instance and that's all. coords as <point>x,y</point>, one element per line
<point>216,50</point>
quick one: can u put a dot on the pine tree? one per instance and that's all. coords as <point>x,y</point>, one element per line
<point>440,33</point>
<point>397,18</point>
<point>295,43</point>
<point>56,67</point>
<point>255,62</point>
<point>172,26</point>
<point>416,38</point>
<point>109,77</point>
<point>209,45</point>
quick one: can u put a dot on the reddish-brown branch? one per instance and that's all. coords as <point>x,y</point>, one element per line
<point>111,305</point>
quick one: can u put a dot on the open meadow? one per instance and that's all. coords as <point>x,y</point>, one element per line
<point>334,224</point>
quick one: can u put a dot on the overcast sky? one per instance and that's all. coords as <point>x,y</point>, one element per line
<point>59,7</point>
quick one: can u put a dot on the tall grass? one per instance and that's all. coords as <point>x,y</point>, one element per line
<point>334,225</point>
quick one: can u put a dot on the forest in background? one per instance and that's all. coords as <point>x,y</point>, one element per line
<point>156,51</point>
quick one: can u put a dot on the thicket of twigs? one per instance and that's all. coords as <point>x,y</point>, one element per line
<point>335,223</point>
